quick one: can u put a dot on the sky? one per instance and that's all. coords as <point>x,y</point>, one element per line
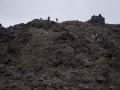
<point>22,11</point>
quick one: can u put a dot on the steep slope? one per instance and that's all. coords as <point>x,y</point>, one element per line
<point>44,55</point>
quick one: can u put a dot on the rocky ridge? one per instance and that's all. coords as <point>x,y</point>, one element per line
<point>45,55</point>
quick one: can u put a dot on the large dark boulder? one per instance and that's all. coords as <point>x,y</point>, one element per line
<point>97,19</point>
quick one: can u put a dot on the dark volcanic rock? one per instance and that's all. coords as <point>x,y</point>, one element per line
<point>97,19</point>
<point>45,55</point>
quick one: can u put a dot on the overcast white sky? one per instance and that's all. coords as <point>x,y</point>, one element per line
<point>21,11</point>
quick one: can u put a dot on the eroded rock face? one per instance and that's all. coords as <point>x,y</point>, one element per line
<point>97,19</point>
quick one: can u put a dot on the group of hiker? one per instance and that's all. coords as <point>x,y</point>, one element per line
<point>98,37</point>
<point>49,19</point>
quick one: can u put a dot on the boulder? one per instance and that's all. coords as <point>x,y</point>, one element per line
<point>97,19</point>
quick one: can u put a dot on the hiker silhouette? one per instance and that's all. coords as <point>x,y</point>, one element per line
<point>56,19</point>
<point>40,18</point>
<point>49,18</point>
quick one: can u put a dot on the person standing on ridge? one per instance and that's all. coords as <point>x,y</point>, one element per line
<point>56,19</point>
<point>40,18</point>
<point>49,18</point>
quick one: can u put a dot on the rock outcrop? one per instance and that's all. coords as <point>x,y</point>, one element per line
<point>97,19</point>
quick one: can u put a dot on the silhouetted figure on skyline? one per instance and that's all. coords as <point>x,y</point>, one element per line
<point>56,19</point>
<point>40,18</point>
<point>49,18</point>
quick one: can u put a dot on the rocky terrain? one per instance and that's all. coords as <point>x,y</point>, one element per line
<point>45,55</point>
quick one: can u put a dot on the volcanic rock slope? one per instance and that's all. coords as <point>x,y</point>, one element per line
<point>45,55</point>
